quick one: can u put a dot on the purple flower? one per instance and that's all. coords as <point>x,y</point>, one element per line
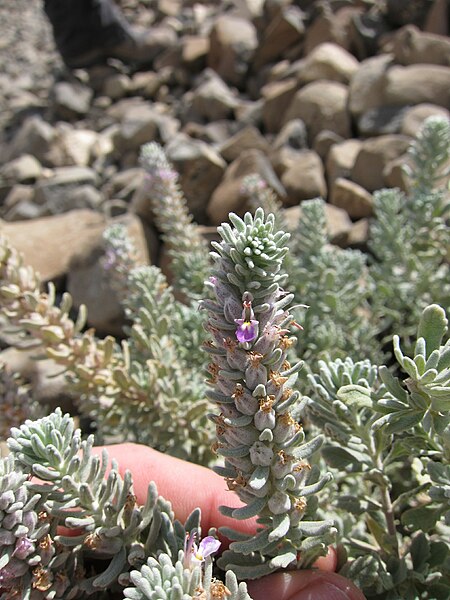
<point>24,547</point>
<point>247,326</point>
<point>246,331</point>
<point>196,555</point>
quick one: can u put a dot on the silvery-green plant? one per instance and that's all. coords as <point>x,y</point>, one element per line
<point>410,236</point>
<point>388,440</point>
<point>119,258</point>
<point>136,282</point>
<point>114,544</point>
<point>173,416</point>
<point>333,282</point>
<point>258,433</point>
<point>187,249</point>
<point>16,402</point>
<point>135,391</point>
<point>428,166</point>
<point>23,532</point>
<point>259,194</point>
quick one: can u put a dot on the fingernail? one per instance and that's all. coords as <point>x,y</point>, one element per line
<point>320,591</point>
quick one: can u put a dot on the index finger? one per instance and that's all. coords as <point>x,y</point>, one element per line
<point>185,484</point>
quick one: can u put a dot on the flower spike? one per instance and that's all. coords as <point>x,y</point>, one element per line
<point>258,433</point>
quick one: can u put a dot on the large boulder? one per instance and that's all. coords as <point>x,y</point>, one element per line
<point>303,177</point>
<point>411,46</point>
<point>212,99</point>
<point>341,158</point>
<point>415,116</point>
<point>354,199</point>
<point>48,244</point>
<point>285,30</point>
<point>228,196</point>
<point>367,84</point>
<point>416,84</point>
<point>375,154</point>
<point>89,282</point>
<point>232,42</point>
<point>327,61</point>
<point>321,105</point>
<point>277,97</point>
<point>201,169</point>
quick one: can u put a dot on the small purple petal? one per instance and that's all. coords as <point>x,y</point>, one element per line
<point>246,331</point>
<point>208,546</point>
<point>24,547</point>
<point>189,543</point>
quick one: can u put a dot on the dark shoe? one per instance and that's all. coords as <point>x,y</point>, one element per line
<point>138,47</point>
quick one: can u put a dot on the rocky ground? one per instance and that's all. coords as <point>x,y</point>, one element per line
<point>320,98</point>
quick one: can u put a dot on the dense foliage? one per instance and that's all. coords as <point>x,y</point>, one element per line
<point>347,447</point>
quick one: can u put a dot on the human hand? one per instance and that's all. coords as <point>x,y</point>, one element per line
<point>188,486</point>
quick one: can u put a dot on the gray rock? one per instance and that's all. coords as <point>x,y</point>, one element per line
<point>293,134</point>
<point>74,147</point>
<point>201,169</point>
<point>359,235</point>
<point>321,105</point>
<point>49,243</point>
<point>86,196</point>
<point>24,169</point>
<point>332,27</point>
<point>249,112</point>
<point>88,281</point>
<point>354,199</point>
<point>381,120</point>
<point>194,52</point>
<point>416,84</point>
<point>139,125</point>
<point>324,141</point>
<point>232,42</point>
<point>227,197</point>
<point>286,29</point>
<point>146,84</point>
<point>341,159</point>
<point>245,139</point>
<point>163,37</point>
<point>277,97</point>
<point>117,86</point>
<point>55,194</point>
<point>338,222</point>
<point>374,155</point>
<point>367,84</point>
<point>34,137</point>
<point>214,133</point>
<point>48,386</point>
<point>394,174</point>
<point>437,18</point>
<point>411,46</point>
<point>71,100</point>
<point>212,100</point>
<point>414,117</point>
<point>327,61</point>
<point>124,184</point>
<point>19,205</point>
<point>303,177</point>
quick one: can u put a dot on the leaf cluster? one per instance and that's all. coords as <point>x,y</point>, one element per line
<point>388,444</point>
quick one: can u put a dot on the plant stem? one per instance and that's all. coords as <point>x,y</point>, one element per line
<point>385,497</point>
